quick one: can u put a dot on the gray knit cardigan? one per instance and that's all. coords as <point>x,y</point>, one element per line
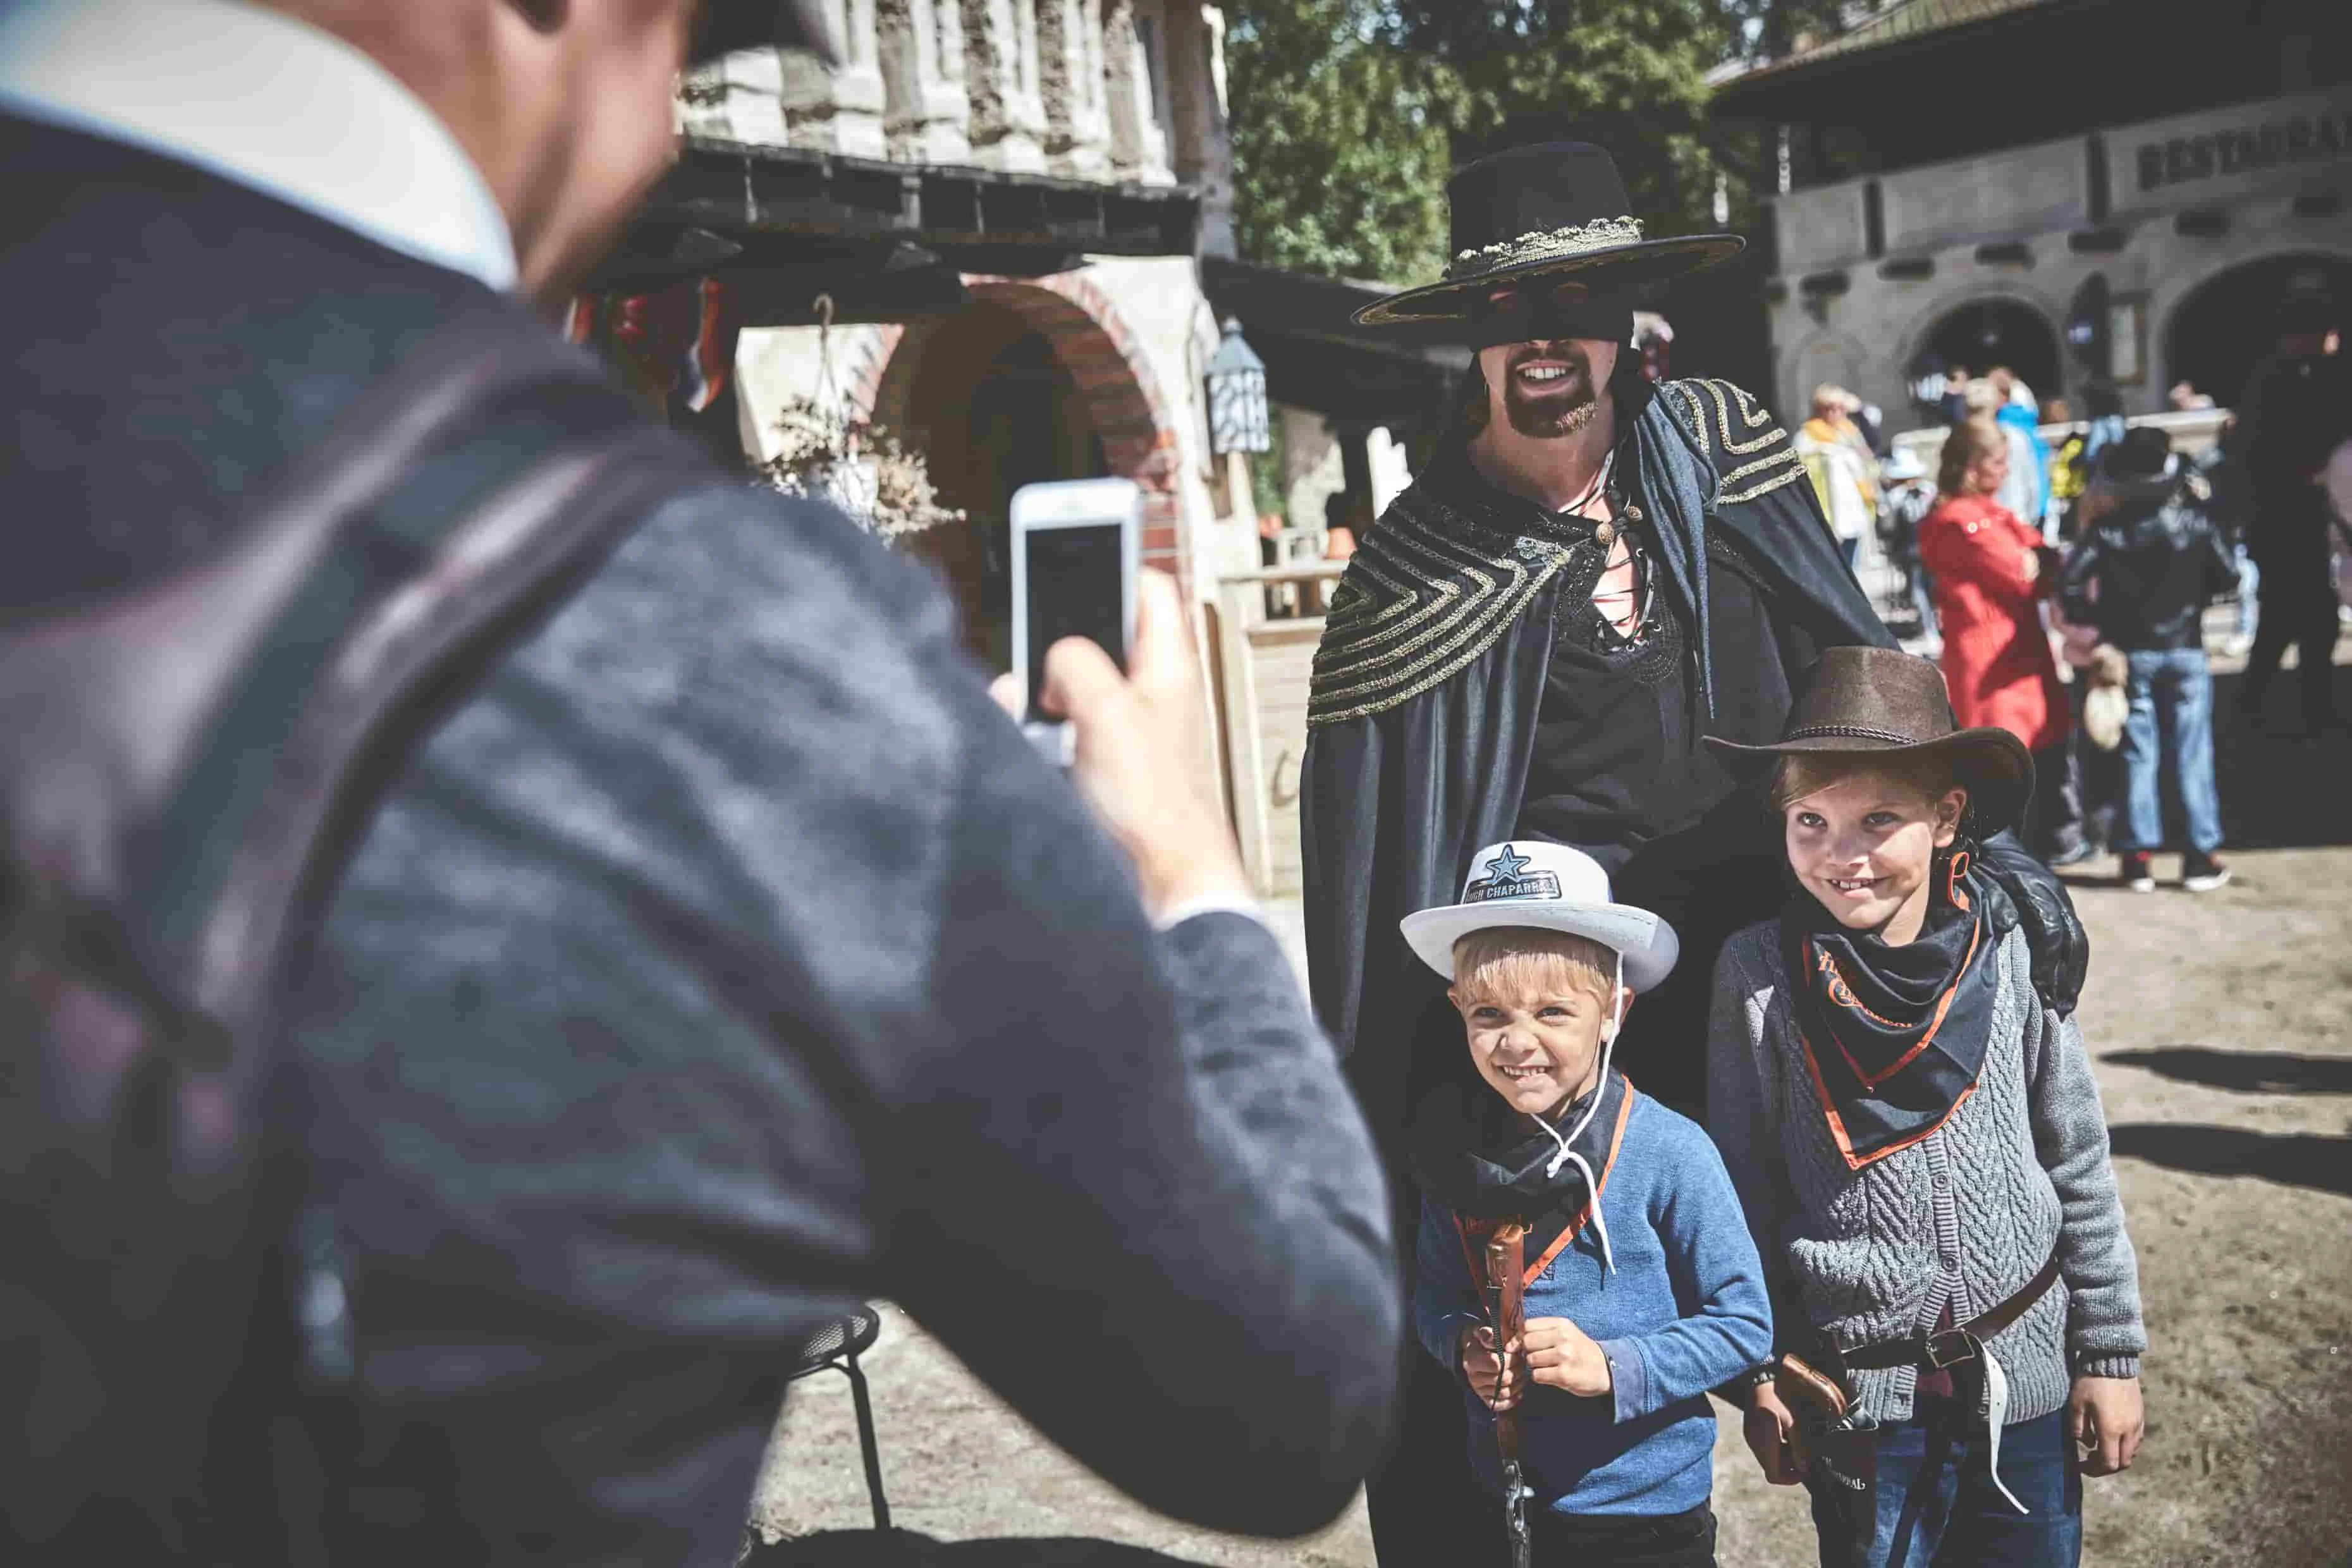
<point>1968,1213</point>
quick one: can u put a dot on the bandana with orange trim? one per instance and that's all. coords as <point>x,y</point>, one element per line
<point>1896,1037</point>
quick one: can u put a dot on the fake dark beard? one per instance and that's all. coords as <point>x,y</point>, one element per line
<point>1548,418</point>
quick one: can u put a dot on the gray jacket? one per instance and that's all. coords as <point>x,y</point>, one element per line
<point>1966,1214</point>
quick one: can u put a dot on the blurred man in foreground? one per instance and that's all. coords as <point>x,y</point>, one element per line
<point>728,956</point>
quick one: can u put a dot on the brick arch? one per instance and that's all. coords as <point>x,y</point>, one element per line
<point>1122,398</point>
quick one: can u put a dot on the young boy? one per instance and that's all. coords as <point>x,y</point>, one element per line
<point>1920,1150</point>
<point>1642,1287</point>
<point>2143,573</point>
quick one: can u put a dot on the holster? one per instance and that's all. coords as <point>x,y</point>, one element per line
<point>1844,1448</point>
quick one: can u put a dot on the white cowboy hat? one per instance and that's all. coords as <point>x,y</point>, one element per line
<point>1550,887</point>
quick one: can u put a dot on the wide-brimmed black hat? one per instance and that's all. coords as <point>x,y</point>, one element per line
<point>1879,703</point>
<point>1554,206</point>
<point>728,25</point>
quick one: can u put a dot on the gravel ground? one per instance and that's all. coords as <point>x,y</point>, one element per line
<point>2220,1028</point>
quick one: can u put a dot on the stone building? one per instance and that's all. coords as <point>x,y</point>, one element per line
<point>2077,189</point>
<point>1002,229</point>
<point>1004,203</point>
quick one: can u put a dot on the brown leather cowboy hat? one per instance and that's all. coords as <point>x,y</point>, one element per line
<point>1878,703</point>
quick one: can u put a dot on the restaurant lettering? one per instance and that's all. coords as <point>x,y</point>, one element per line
<point>2292,138</point>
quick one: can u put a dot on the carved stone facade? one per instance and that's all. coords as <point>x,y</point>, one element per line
<point>927,116</point>
<point>1129,91</point>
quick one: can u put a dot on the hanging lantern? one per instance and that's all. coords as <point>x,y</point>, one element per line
<point>1239,420</point>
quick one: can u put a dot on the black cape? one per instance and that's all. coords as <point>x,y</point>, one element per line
<point>1422,715</point>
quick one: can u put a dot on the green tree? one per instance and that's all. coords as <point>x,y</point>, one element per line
<point>1348,115</point>
<point>1340,153</point>
<point>1629,74</point>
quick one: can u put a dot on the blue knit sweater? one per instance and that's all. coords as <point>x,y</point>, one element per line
<point>1685,1311</point>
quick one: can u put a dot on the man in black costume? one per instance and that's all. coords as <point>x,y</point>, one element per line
<point>1591,574</point>
<point>2298,406</point>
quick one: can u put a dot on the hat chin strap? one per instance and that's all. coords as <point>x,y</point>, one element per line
<point>1567,1155</point>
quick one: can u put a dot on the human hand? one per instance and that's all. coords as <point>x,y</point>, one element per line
<point>1774,1437</point>
<point>1562,1355</point>
<point>1143,759</point>
<point>2107,1417</point>
<point>2030,564</point>
<point>1492,1378</point>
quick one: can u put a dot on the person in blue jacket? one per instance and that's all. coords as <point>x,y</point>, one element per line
<point>1643,1289</point>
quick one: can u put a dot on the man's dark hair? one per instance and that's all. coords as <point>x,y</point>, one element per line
<point>2140,455</point>
<point>1473,407</point>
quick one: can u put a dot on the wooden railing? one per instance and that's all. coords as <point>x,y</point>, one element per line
<point>1268,624</point>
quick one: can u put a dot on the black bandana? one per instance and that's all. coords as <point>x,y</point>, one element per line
<point>1896,1036</point>
<point>1479,1157</point>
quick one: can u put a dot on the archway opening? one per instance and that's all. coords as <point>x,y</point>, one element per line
<point>2224,330</point>
<point>994,408</point>
<point>1988,334</point>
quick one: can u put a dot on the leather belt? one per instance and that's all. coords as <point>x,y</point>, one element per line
<point>1953,1346</point>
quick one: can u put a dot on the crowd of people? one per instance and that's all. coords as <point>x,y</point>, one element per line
<point>2064,588</point>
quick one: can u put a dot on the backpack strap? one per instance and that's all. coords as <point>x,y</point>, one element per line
<point>195,751</point>
<point>183,771</point>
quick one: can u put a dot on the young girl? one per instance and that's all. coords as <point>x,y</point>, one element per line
<point>1920,1150</point>
<point>1991,570</point>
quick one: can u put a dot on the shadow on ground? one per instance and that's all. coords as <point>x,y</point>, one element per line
<point>2289,1159</point>
<point>2278,793</point>
<point>2254,1072</point>
<point>904,1549</point>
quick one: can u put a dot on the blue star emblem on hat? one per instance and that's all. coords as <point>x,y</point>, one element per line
<point>1507,866</point>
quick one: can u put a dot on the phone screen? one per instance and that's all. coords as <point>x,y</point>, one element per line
<point>1074,590</point>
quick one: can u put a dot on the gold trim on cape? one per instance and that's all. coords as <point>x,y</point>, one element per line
<point>1429,592</point>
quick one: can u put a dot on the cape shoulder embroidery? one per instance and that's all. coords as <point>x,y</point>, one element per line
<point>1753,455</point>
<point>1426,593</point>
<point>1429,589</point>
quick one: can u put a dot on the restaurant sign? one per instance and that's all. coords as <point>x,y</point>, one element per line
<point>2227,154</point>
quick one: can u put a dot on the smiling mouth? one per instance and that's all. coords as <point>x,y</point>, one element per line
<point>1543,373</point>
<point>1851,884</point>
<point>1521,1075</point>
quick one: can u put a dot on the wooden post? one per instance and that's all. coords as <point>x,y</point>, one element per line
<point>1241,604</point>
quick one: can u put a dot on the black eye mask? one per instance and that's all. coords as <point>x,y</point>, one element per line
<point>1535,314</point>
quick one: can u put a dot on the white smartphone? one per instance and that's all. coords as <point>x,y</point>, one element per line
<point>1076,547</point>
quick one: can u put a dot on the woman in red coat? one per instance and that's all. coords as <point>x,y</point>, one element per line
<point>1991,571</point>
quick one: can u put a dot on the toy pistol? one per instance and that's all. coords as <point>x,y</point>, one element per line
<point>1507,1306</point>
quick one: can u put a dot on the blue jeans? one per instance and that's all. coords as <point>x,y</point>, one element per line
<point>2171,724</point>
<point>1935,1503</point>
<point>2249,582</point>
<point>1923,599</point>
